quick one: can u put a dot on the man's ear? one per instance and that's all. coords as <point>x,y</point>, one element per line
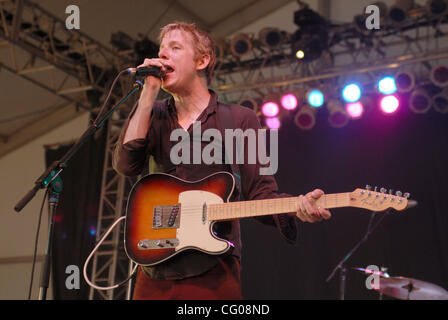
<point>203,62</point>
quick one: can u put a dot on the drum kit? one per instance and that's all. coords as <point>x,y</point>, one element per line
<point>406,288</point>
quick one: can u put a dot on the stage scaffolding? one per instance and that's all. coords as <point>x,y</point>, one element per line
<point>110,263</point>
<point>70,64</point>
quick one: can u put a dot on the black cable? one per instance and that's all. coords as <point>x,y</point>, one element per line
<point>36,242</point>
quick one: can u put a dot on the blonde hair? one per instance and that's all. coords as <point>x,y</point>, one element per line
<point>203,43</point>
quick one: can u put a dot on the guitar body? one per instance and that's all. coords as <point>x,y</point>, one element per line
<point>166,215</point>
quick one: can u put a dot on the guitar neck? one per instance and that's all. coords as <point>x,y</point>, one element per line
<point>254,208</point>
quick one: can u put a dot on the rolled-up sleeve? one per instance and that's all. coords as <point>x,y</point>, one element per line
<point>131,158</point>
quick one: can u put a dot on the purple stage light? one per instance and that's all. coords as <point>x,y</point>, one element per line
<point>270,109</point>
<point>273,123</point>
<point>355,110</point>
<point>289,101</point>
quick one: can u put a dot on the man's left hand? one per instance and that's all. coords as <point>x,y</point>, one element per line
<point>308,211</point>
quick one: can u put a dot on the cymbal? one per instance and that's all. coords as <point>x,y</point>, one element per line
<point>406,288</point>
<point>411,289</point>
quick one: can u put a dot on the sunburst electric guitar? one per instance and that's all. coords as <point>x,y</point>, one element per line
<point>166,215</point>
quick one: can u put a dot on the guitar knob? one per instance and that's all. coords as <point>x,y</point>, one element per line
<point>407,195</point>
<point>391,191</point>
<point>398,193</point>
<point>383,190</point>
<point>368,187</point>
<point>375,189</point>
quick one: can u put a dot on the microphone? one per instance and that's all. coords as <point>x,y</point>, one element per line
<point>147,71</point>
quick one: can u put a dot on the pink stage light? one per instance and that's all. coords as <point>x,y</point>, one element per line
<point>273,123</point>
<point>270,109</point>
<point>389,104</point>
<point>289,101</point>
<point>355,109</point>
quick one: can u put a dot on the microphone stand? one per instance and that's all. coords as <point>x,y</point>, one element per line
<point>340,266</point>
<point>50,179</point>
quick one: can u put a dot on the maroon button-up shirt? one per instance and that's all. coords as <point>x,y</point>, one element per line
<point>132,158</point>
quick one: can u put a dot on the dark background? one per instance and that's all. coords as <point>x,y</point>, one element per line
<point>403,151</point>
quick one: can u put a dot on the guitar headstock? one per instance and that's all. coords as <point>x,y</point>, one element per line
<point>378,200</point>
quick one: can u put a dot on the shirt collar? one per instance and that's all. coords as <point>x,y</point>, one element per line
<point>211,108</point>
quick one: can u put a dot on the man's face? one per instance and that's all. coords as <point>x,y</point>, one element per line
<point>178,55</point>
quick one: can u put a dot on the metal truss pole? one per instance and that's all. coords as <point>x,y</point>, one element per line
<point>110,263</point>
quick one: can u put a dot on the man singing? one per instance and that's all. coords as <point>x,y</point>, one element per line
<point>187,59</point>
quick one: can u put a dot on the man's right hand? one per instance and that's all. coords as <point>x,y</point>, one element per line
<point>152,84</point>
<point>139,123</point>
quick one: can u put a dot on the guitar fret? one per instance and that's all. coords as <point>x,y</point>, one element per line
<point>251,208</point>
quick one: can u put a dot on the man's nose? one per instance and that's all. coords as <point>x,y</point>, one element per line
<point>163,54</point>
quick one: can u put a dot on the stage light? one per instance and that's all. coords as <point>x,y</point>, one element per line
<point>273,123</point>
<point>308,44</point>
<point>241,45</point>
<point>355,110</point>
<point>289,101</point>
<point>270,108</point>
<point>305,118</point>
<point>351,93</point>
<point>311,39</point>
<point>389,104</point>
<point>315,98</point>
<point>420,101</point>
<point>439,76</point>
<point>387,86</point>
<point>440,101</point>
<point>337,117</point>
<point>300,54</point>
<point>404,81</point>
<point>251,103</point>
<point>437,7</point>
<point>271,37</point>
<point>221,48</point>
<point>399,11</point>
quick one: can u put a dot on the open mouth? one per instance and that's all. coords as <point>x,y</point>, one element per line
<point>169,69</point>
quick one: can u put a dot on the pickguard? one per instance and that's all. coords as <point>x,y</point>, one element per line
<point>194,230</point>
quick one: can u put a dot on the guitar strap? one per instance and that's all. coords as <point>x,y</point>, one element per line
<point>226,120</point>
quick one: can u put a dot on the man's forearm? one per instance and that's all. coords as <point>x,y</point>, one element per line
<point>140,120</point>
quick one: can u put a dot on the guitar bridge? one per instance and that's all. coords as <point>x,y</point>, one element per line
<point>166,217</point>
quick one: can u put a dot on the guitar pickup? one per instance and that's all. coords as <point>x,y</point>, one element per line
<point>166,217</point>
<point>148,244</point>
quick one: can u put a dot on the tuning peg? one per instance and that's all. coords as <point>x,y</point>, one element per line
<point>368,187</point>
<point>383,190</point>
<point>407,195</point>
<point>391,191</point>
<point>398,193</point>
<point>375,189</point>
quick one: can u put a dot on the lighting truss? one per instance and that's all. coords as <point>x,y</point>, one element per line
<point>418,41</point>
<point>38,47</point>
